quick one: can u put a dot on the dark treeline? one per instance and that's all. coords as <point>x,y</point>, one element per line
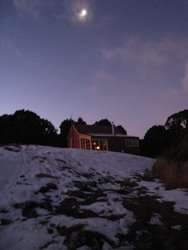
<point>158,139</point>
<point>26,127</point>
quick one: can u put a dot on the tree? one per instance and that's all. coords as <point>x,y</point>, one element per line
<point>48,133</point>
<point>155,141</point>
<point>122,129</point>
<point>106,122</point>
<point>81,121</point>
<point>177,126</point>
<point>178,121</point>
<point>103,122</point>
<point>64,130</point>
<point>7,129</point>
<point>25,126</point>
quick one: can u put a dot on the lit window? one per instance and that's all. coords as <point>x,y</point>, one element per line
<point>85,143</point>
<point>99,144</point>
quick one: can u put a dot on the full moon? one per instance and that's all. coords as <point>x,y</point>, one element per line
<point>83,13</point>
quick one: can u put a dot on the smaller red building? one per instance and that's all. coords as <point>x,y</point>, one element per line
<point>94,137</point>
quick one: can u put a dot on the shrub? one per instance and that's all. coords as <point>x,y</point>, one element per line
<point>172,165</point>
<point>173,174</point>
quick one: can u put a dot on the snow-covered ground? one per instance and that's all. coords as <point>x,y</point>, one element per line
<point>52,198</point>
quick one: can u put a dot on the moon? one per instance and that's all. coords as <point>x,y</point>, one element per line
<point>83,13</point>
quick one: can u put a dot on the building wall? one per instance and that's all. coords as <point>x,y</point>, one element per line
<point>118,144</point>
<point>133,147</point>
<point>85,141</point>
<point>73,138</point>
<point>133,150</point>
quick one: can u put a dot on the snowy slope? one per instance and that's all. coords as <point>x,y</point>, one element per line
<point>52,198</point>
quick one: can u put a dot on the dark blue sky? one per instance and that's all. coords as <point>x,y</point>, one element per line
<point>127,60</point>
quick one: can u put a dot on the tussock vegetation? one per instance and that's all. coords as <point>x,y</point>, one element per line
<point>172,165</point>
<point>173,174</point>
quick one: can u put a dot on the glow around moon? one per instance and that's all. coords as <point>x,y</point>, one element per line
<point>83,13</point>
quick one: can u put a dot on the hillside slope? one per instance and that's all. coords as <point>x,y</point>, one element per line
<point>52,198</point>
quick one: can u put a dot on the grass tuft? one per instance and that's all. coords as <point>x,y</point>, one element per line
<point>175,175</point>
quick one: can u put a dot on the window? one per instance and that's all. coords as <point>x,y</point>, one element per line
<point>131,143</point>
<point>85,143</point>
<point>99,144</point>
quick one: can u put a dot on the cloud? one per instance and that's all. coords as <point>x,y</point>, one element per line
<point>134,49</point>
<point>154,61</point>
<point>29,6</point>
<point>103,76</point>
<point>124,51</point>
<point>170,92</point>
<point>61,9</point>
<point>138,50</point>
<point>160,67</point>
<point>32,7</point>
<point>101,80</point>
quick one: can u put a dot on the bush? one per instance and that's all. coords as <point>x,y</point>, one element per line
<point>172,165</point>
<point>173,174</point>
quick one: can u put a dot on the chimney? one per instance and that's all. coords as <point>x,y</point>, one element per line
<point>113,129</point>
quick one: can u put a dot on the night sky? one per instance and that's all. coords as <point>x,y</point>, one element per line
<point>124,60</point>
